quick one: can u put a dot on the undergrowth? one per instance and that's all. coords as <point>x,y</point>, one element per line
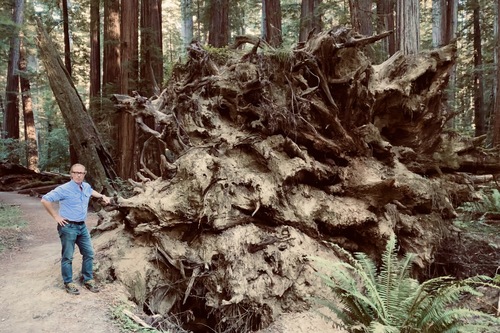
<point>127,325</point>
<point>10,224</point>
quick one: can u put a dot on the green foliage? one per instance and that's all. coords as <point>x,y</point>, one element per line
<point>11,150</point>
<point>10,222</point>
<point>127,324</point>
<point>218,55</point>
<point>389,300</point>
<point>55,155</point>
<point>474,216</point>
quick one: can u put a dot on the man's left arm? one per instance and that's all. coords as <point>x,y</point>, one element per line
<point>102,197</point>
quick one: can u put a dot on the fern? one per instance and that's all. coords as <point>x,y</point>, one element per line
<point>391,301</point>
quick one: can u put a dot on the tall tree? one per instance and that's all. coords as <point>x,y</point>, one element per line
<point>29,119</point>
<point>67,45</point>
<point>310,18</point>
<point>11,115</point>
<point>479,111</point>
<point>496,110</point>
<point>81,129</point>
<point>95,51</point>
<point>271,22</point>
<point>151,46</point>
<point>408,26</point>
<point>67,63</point>
<point>218,35</point>
<point>111,51</point>
<point>127,164</point>
<point>385,22</point>
<point>361,16</point>
<point>187,22</point>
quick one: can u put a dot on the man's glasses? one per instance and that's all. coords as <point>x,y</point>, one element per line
<point>79,173</point>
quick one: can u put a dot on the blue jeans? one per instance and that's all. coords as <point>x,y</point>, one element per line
<point>70,235</point>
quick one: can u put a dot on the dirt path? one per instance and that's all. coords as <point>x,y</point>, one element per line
<point>31,295</point>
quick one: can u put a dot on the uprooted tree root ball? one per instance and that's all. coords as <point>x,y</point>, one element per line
<point>259,157</point>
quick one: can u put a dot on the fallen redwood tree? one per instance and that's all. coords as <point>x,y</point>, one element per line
<point>269,155</point>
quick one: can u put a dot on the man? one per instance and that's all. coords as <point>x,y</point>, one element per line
<point>73,198</point>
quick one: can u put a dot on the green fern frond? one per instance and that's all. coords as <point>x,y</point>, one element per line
<point>390,300</point>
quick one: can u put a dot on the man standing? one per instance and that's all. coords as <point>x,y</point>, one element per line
<point>73,198</point>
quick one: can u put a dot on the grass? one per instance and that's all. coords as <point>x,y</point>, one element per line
<point>10,224</point>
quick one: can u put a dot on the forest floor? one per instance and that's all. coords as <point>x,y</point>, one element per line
<point>31,289</point>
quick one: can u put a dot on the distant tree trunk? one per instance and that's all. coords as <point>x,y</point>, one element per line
<point>67,62</point>
<point>187,23</point>
<point>111,56</point>
<point>29,119</point>
<point>67,46</point>
<point>310,18</point>
<point>385,22</point>
<point>127,164</point>
<point>444,24</point>
<point>218,35</point>
<point>95,52</point>
<point>361,16</point>
<point>496,110</point>
<point>151,74</point>
<point>271,10</point>
<point>151,66</point>
<point>11,115</point>
<point>81,129</point>
<point>408,26</point>
<point>479,111</point>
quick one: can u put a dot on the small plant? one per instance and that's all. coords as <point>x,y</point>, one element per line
<point>389,300</point>
<point>127,324</point>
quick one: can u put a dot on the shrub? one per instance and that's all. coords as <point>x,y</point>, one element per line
<point>389,300</point>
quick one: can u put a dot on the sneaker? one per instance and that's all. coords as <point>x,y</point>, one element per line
<point>71,288</point>
<point>91,285</point>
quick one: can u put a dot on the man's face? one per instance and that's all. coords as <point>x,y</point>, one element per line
<point>78,173</point>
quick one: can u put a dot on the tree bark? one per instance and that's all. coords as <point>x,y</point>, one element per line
<point>95,58</point>
<point>29,119</point>
<point>127,143</point>
<point>408,26</point>
<point>11,115</point>
<point>88,145</point>
<point>361,16</point>
<point>310,18</point>
<point>218,35</point>
<point>496,110</point>
<point>479,111</point>
<point>385,22</point>
<point>271,10</point>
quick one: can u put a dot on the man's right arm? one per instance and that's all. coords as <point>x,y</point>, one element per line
<point>50,209</point>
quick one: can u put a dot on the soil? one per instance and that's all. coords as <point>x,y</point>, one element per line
<point>31,290</point>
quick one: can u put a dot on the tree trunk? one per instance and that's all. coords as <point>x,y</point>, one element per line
<point>11,115</point>
<point>187,23</point>
<point>111,56</point>
<point>95,58</point>
<point>218,35</point>
<point>496,110</point>
<point>385,22</point>
<point>479,111</point>
<point>361,16</point>
<point>29,119</point>
<point>127,143</point>
<point>81,129</point>
<point>151,60</point>
<point>271,32</point>
<point>310,18</point>
<point>67,62</point>
<point>408,26</point>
